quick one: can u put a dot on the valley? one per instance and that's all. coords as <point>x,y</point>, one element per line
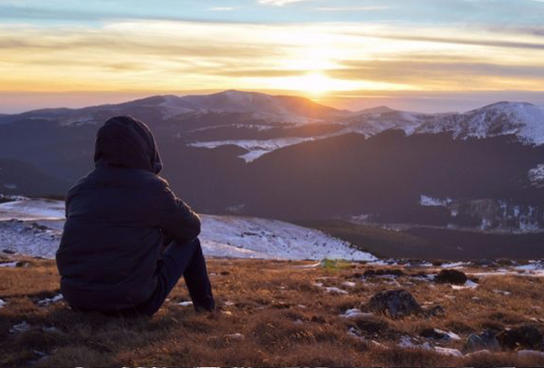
<point>473,177</point>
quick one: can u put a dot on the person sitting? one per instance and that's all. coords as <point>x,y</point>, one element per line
<point>128,239</point>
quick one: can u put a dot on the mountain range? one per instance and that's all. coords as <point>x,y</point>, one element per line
<point>290,158</point>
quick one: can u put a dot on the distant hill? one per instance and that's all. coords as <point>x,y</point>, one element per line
<point>289,158</point>
<point>20,177</point>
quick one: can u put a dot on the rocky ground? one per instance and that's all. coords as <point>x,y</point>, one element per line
<point>291,313</point>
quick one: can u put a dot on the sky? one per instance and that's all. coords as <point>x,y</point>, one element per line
<point>418,55</point>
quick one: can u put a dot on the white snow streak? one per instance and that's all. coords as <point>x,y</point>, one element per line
<point>222,236</point>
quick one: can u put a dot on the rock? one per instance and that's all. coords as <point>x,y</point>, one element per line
<point>372,327</point>
<point>522,337</point>
<point>506,262</point>
<point>485,262</point>
<point>436,334</point>
<point>39,227</point>
<point>20,328</point>
<point>435,311</point>
<point>449,276</point>
<point>432,333</point>
<point>354,332</point>
<point>394,303</point>
<point>487,340</point>
<point>318,319</point>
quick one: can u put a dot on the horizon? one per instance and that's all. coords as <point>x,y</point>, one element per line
<point>126,99</point>
<point>418,55</point>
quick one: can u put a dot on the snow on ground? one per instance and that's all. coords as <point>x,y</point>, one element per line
<point>276,239</point>
<point>8,264</point>
<point>31,210</point>
<point>467,285</point>
<point>455,265</point>
<point>532,269</point>
<point>222,236</point>
<point>355,313</point>
<point>46,301</point>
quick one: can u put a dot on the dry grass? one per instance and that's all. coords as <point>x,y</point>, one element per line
<point>270,314</point>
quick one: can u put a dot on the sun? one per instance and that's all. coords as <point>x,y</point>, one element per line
<point>315,83</point>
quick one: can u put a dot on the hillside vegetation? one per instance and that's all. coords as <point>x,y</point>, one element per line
<point>281,313</point>
<point>428,242</point>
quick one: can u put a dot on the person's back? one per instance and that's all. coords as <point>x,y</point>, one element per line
<point>118,218</point>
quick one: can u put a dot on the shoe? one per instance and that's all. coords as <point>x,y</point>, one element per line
<point>208,306</point>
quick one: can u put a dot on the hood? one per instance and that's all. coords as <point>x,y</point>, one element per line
<point>126,142</point>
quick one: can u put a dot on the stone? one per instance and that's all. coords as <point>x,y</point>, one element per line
<point>450,276</point>
<point>487,340</point>
<point>433,333</point>
<point>437,334</point>
<point>394,304</point>
<point>521,337</point>
<point>20,327</point>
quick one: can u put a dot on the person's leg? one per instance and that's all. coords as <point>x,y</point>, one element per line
<point>198,282</point>
<point>177,260</point>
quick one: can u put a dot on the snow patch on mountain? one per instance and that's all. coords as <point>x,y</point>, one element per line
<point>171,107</point>
<point>524,120</point>
<point>374,121</point>
<point>536,176</point>
<point>256,148</point>
<point>428,201</point>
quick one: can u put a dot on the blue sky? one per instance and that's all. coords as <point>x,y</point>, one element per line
<point>493,13</point>
<point>347,53</point>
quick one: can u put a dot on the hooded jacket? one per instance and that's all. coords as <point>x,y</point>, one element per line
<point>116,220</point>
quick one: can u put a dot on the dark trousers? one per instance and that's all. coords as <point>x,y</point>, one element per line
<point>177,259</point>
<point>181,259</point>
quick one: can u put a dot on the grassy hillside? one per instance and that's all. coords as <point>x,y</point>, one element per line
<point>270,314</point>
<point>433,243</point>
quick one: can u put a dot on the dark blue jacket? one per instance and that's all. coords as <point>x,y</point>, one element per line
<point>117,218</point>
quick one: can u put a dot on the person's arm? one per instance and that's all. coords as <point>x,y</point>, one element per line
<point>177,220</point>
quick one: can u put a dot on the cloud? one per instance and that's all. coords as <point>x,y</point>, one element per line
<point>222,8</point>
<point>170,56</point>
<point>466,41</point>
<point>279,2</point>
<point>352,8</point>
<point>437,72</point>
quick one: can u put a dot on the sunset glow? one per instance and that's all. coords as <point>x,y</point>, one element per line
<point>320,48</point>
